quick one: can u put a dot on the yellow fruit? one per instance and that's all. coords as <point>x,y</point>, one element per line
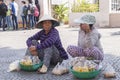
<point>85,69</point>
<point>26,62</point>
<point>91,69</point>
<point>81,69</point>
<point>75,68</point>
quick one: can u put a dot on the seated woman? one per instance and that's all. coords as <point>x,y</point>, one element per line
<point>49,49</point>
<point>88,40</point>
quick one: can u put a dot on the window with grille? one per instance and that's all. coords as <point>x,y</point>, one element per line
<point>115,5</point>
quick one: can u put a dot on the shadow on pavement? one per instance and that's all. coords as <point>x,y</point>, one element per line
<point>115,33</point>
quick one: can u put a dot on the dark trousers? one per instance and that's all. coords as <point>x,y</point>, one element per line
<point>3,22</point>
<point>24,21</point>
<point>31,20</point>
<point>14,21</point>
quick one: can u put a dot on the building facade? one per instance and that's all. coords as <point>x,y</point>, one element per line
<point>108,15</point>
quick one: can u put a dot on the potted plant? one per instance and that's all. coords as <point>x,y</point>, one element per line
<point>60,12</point>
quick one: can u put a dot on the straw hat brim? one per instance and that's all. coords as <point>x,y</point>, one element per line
<point>54,24</point>
<point>46,18</point>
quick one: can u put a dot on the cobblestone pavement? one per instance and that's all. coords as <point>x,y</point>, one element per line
<point>12,47</point>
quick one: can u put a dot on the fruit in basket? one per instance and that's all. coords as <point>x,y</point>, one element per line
<point>26,62</point>
<point>30,63</point>
<point>85,69</point>
<point>75,68</point>
<point>85,75</point>
<point>30,60</point>
<point>81,69</point>
<point>91,68</point>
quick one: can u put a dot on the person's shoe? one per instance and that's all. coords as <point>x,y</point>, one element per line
<point>43,69</point>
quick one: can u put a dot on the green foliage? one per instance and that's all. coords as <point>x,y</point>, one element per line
<point>60,11</point>
<point>66,20</point>
<point>83,6</point>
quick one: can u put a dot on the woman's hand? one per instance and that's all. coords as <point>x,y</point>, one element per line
<point>34,53</point>
<point>33,50</point>
<point>87,30</point>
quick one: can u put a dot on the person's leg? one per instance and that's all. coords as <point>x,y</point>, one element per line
<point>56,56</point>
<point>7,22</point>
<point>28,24</point>
<point>94,53</point>
<point>75,51</point>
<point>25,17</point>
<point>10,23</point>
<point>32,16</point>
<point>23,21</point>
<point>34,20</point>
<point>4,22</point>
<point>13,19</point>
<point>0,21</point>
<point>16,22</point>
<point>48,53</point>
<point>30,20</point>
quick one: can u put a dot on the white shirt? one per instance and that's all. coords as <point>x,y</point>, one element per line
<point>89,40</point>
<point>16,8</point>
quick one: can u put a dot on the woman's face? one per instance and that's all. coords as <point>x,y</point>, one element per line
<point>85,27</point>
<point>47,25</point>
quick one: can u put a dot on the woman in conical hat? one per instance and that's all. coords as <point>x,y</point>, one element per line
<point>50,49</point>
<point>88,40</point>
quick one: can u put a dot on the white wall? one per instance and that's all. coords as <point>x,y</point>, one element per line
<point>104,13</point>
<point>45,6</point>
<point>114,20</point>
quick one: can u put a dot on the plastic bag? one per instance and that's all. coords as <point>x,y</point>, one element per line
<point>14,66</point>
<point>56,70</point>
<point>76,60</point>
<point>35,60</point>
<point>62,68</point>
<point>81,64</point>
<point>109,72</point>
<point>30,60</point>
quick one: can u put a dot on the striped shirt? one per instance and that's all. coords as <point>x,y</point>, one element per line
<point>48,40</point>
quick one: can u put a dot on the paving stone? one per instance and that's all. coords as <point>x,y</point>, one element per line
<point>14,49</point>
